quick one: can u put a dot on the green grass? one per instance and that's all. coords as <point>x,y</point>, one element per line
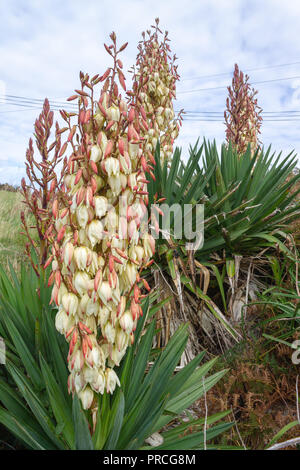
<point>12,243</point>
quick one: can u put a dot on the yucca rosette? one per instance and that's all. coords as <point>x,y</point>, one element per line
<point>101,247</point>
<point>154,90</point>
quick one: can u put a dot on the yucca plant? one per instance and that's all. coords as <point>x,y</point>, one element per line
<point>36,406</point>
<point>247,209</point>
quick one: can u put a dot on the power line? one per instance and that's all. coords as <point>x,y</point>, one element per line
<point>32,105</point>
<point>24,104</point>
<point>246,70</point>
<point>35,100</point>
<point>220,120</point>
<point>226,86</point>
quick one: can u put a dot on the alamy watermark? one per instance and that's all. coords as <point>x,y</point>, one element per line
<point>2,351</point>
<point>134,220</point>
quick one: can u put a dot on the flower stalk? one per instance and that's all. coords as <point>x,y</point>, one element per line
<point>42,184</point>
<point>99,246</point>
<point>154,89</point>
<point>243,115</point>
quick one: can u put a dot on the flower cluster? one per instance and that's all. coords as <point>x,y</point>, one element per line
<point>99,247</point>
<point>154,87</point>
<point>242,118</point>
<point>42,183</point>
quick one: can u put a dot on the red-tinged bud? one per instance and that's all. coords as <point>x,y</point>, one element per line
<point>146,285</point>
<point>109,148</point>
<point>143,113</point>
<point>121,146</point>
<point>55,208</point>
<point>149,263</point>
<point>51,279</point>
<point>63,149</point>
<point>121,253</point>
<point>130,132</point>
<point>131,115</point>
<point>136,293</point>
<point>151,158</point>
<point>89,342</point>
<point>134,309</point>
<point>73,97</point>
<point>87,116</point>
<point>102,109</point>
<point>109,125</point>
<point>90,196</point>
<point>94,186</point>
<point>70,332</point>
<point>49,260</point>
<point>117,260</point>
<point>53,184</point>
<point>97,279</point>
<point>71,349</point>
<point>84,346</point>
<point>58,278</point>
<point>64,212</point>
<point>111,263</point>
<point>75,237</point>
<point>152,175</point>
<point>83,327</point>
<point>99,138</point>
<point>145,125</point>
<point>74,337</point>
<point>82,93</point>
<point>81,116</point>
<point>80,195</point>
<point>161,199</point>
<point>123,47</point>
<point>71,134</point>
<point>54,295</point>
<point>113,279</point>
<point>78,176</point>
<point>105,75</point>
<point>144,163</point>
<point>127,159</point>
<point>61,233</point>
<point>143,193</point>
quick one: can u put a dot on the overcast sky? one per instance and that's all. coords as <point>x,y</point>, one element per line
<point>45,43</point>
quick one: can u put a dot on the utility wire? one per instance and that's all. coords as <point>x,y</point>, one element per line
<point>33,105</point>
<point>226,86</point>
<point>24,104</point>
<point>246,70</point>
